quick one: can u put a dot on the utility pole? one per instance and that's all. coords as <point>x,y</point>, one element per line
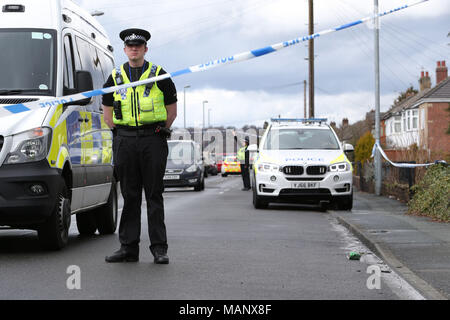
<point>311,59</point>
<point>304,100</point>
<point>377,159</point>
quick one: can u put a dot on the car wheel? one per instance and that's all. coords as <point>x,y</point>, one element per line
<point>224,174</point>
<point>106,215</point>
<point>258,203</point>
<point>200,186</point>
<point>54,233</point>
<point>346,203</point>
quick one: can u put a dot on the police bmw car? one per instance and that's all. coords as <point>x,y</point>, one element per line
<point>302,161</point>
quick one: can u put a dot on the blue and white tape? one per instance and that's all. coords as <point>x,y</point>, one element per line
<point>17,108</point>
<point>401,165</point>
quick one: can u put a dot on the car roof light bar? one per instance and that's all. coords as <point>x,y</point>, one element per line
<point>298,120</point>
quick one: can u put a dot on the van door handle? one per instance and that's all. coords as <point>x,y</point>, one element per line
<point>80,119</point>
<point>86,120</point>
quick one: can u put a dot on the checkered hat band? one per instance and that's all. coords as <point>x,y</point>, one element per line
<point>135,37</point>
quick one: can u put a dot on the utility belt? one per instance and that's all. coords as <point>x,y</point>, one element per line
<point>157,128</point>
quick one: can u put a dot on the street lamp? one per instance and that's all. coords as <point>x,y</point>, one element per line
<point>203,127</point>
<point>205,101</point>
<point>184,96</point>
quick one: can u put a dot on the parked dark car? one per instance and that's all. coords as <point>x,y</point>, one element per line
<point>185,166</point>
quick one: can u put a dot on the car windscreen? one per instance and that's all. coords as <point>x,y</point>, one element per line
<point>300,138</point>
<point>230,159</point>
<point>27,62</point>
<point>181,152</point>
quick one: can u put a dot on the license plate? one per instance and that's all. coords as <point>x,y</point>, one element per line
<point>171,177</point>
<point>305,185</point>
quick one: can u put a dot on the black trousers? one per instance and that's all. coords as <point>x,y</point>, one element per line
<point>245,176</point>
<point>140,163</point>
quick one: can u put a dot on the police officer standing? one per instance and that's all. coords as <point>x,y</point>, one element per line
<point>141,117</point>
<point>244,158</point>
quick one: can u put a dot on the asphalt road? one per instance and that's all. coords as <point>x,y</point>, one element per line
<point>220,247</point>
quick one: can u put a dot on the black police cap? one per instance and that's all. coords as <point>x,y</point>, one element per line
<point>135,36</point>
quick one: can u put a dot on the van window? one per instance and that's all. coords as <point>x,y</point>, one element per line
<point>28,61</point>
<point>106,63</point>
<point>91,62</point>
<point>69,68</point>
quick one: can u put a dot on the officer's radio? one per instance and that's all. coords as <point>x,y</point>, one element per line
<point>119,79</point>
<point>117,105</point>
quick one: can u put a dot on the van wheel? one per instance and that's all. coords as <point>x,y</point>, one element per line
<point>86,223</point>
<point>224,174</point>
<point>106,216</point>
<point>258,203</point>
<point>54,233</point>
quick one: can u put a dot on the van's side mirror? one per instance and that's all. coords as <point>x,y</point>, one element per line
<point>83,82</point>
<point>348,147</point>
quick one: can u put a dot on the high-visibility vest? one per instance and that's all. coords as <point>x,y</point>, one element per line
<point>143,104</point>
<point>241,154</point>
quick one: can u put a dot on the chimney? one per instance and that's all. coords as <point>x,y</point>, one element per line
<point>441,72</point>
<point>424,81</point>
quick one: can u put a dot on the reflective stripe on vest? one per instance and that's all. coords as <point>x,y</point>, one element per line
<point>140,106</point>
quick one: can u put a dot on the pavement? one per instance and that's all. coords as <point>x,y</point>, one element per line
<point>417,248</point>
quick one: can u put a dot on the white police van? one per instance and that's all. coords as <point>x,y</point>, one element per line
<point>57,160</point>
<point>302,161</point>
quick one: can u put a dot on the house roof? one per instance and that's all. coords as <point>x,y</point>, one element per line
<point>441,91</point>
<point>438,93</point>
<point>405,104</point>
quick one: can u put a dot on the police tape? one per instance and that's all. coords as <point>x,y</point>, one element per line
<point>18,108</point>
<point>403,165</point>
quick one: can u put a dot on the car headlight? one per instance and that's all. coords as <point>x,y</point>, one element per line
<point>192,168</point>
<point>339,167</point>
<point>268,167</point>
<point>29,146</point>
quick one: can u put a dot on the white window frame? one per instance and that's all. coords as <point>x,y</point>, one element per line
<point>415,116</point>
<point>397,121</point>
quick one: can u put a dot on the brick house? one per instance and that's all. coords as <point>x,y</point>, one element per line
<point>421,119</point>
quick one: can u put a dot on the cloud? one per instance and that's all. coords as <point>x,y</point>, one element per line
<point>186,33</point>
<point>238,108</point>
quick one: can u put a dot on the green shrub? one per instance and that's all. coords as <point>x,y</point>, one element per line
<point>432,194</point>
<point>363,149</point>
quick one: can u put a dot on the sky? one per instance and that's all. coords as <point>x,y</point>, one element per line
<point>190,32</point>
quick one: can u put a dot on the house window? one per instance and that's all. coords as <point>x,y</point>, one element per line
<point>404,122</point>
<point>415,119</point>
<point>397,124</point>
<point>408,119</point>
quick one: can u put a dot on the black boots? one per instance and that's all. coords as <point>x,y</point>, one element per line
<point>160,255</point>
<point>123,255</point>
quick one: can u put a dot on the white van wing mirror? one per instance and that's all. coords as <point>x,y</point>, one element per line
<point>252,148</point>
<point>83,83</point>
<point>348,147</point>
